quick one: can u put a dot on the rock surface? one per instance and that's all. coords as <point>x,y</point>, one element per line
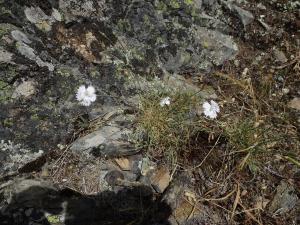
<point>112,139</point>
<point>125,48</point>
<point>284,200</point>
<point>160,179</point>
<point>294,103</point>
<point>109,40</point>
<point>13,157</point>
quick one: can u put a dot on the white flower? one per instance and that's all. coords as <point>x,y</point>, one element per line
<point>86,96</point>
<point>165,101</point>
<point>211,110</point>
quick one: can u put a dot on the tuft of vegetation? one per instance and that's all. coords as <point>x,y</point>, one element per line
<point>170,127</point>
<point>251,140</point>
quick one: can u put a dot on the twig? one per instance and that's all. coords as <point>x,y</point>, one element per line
<point>250,214</point>
<point>236,201</point>
<point>192,212</point>
<point>288,64</point>
<point>173,172</point>
<point>297,163</point>
<point>208,153</point>
<point>220,199</point>
<point>213,203</point>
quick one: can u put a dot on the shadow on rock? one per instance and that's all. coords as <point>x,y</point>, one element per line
<point>45,205</point>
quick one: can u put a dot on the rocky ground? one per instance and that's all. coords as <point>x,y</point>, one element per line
<point>125,159</point>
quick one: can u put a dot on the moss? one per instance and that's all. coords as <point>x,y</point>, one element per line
<point>6,28</point>
<point>124,25</point>
<point>66,72</point>
<point>146,20</point>
<point>94,73</point>
<point>174,4</point>
<point>8,122</point>
<point>161,6</point>
<point>4,11</point>
<point>53,219</point>
<point>34,117</point>
<point>5,92</point>
<point>189,2</point>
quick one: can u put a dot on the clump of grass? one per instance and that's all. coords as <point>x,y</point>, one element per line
<point>250,139</point>
<point>170,127</point>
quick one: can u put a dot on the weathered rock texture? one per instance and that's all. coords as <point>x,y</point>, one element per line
<point>52,47</point>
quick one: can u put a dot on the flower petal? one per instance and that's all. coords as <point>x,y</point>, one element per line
<point>80,93</point>
<point>215,106</point>
<point>90,90</point>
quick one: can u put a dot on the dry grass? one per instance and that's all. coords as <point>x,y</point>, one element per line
<point>168,128</point>
<point>173,131</point>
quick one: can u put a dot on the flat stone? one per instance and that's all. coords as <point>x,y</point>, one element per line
<point>245,16</point>
<point>284,200</point>
<point>145,166</point>
<point>114,177</point>
<point>5,56</point>
<point>42,21</point>
<point>30,53</point>
<point>280,56</point>
<point>25,89</point>
<point>123,163</point>
<point>108,141</point>
<point>160,179</point>
<point>217,47</point>
<point>20,36</point>
<point>294,103</point>
<point>94,139</point>
<point>14,156</point>
<point>182,201</point>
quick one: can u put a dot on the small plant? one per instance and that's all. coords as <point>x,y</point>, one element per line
<point>249,139</point>
<point>169,122</point>
<point>211,109</point>
<point>86,96</point>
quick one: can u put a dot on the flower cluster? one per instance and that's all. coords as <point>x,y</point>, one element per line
<point>211,109</point>
<point>86,96</point>
<point>165,101</point>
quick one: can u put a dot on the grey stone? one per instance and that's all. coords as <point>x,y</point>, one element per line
<point>25,89</point>
<point>73,9</point>
<point>284,200</point>
<point>20,36</point>
<point>5,56</point>
<point>146,165</point>
<point>29,53</point>
<point>279,56</point>
<point>35,15</point>
<point>209,2</point>
<point>294,103</point>
<point>218,47</point>
<point>107,141</point>
<point>144,39</point>
<point>14,157</point>
<point>245,16</point>
<point>261,6</point>
<point>94,139</point>
<point>42,21</point>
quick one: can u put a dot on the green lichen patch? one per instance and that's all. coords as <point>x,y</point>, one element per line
<point>5,92</point>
